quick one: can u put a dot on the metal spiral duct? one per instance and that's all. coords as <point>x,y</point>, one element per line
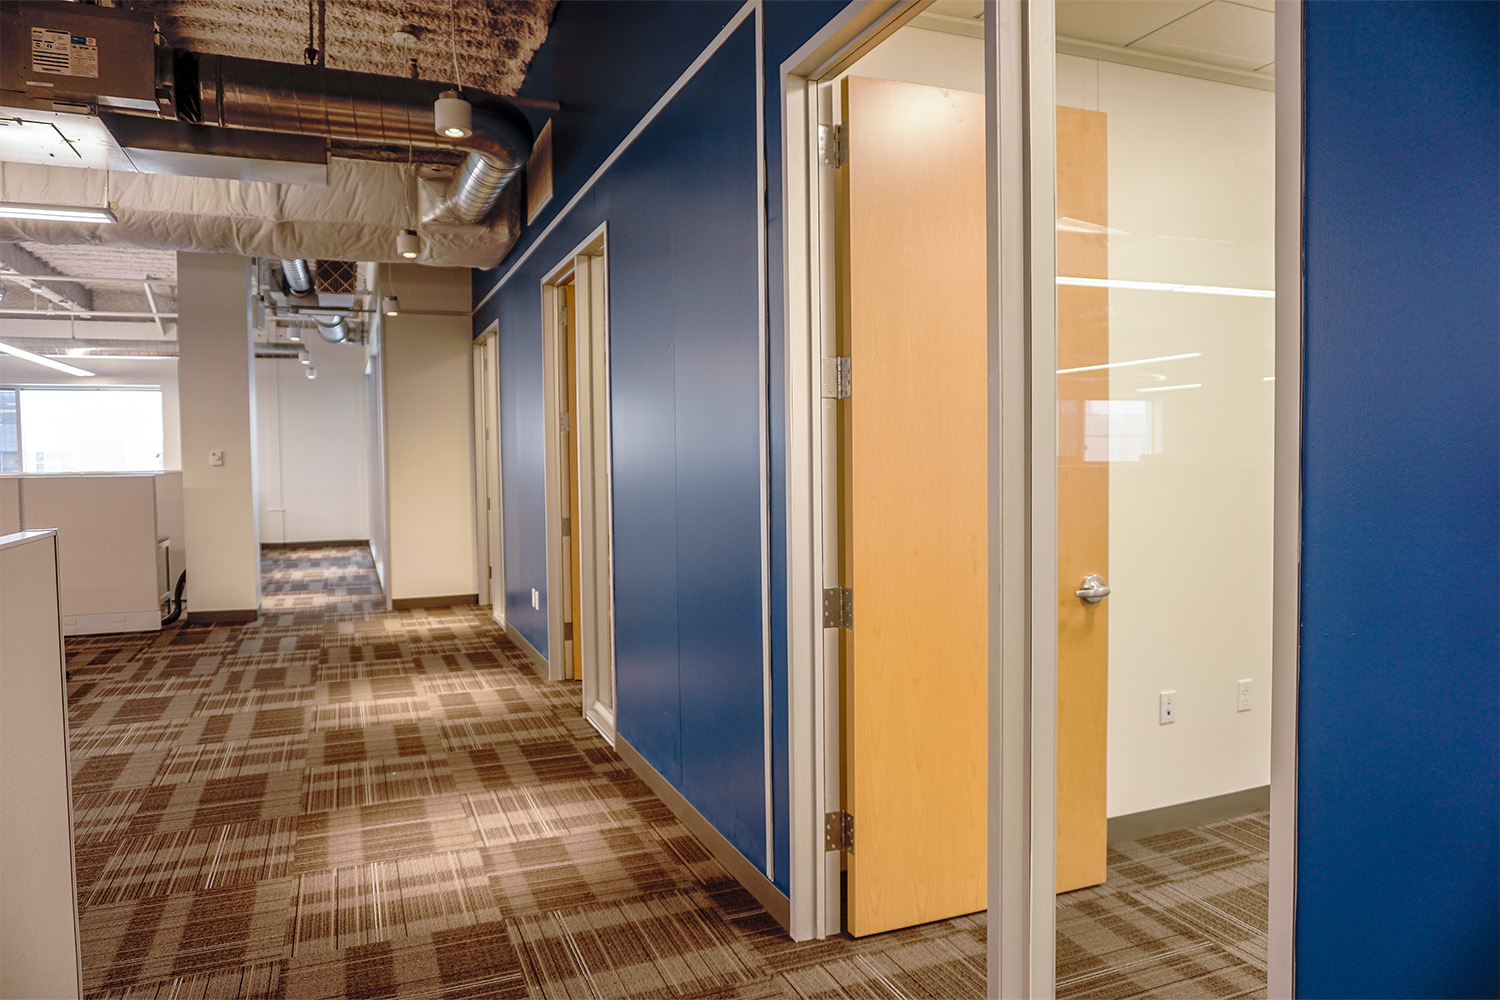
<point>266,96</point>
<point>298,274</point>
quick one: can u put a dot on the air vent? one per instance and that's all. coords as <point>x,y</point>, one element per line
<point>337,277</point>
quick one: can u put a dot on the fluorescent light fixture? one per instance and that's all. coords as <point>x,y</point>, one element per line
<point>408,244</point>
<point>37,359</point>
<point>55,213</point>
<point>1170,388</point>
<point>390,306</point>
<point>1127,364</point>
<point>1167,286</point>
<point>452,116</point>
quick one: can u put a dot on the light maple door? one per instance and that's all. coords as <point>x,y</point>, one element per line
<point>1082,497</point>
<point>913,516</point>
<point>568,333</point>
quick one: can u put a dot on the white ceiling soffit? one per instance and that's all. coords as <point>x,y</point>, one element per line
<point>350,219</point>
<point>494,41</point>
<point>1231,41</point>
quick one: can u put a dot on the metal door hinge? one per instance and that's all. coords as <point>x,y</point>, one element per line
<point>833,144</point>
<point>838,607</point>
<point>836,378</point>
<point>838,831</point>
<point>565,423</point>
<point>567,527</point>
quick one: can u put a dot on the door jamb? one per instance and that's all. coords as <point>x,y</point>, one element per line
<point>483,571</point>
<point>811,541</point>
<point>596,555</point>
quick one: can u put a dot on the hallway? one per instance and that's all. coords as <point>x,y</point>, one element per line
<point>339,801</point>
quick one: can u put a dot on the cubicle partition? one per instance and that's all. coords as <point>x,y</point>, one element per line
<point>39,946</point>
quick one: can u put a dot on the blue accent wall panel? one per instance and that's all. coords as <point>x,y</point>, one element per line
<point>1398,869</point>
<point>681,206</point>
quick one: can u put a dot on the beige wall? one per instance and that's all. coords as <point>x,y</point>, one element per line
<point>1190,198</point>
<point>427,389</point>
<point>217,399</point>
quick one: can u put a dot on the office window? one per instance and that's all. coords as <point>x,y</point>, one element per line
<point>10,442</point>
<point>90,430</point>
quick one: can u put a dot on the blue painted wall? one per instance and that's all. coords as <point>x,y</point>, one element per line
<point>1399,767</point>
<point>681,204</point>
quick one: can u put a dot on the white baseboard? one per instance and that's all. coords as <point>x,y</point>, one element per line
<point>125,621</point>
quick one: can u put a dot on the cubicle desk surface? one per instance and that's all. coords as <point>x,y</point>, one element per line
<point>337,800</point>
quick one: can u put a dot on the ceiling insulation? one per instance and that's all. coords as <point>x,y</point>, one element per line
<point>494,41</point>
<point>106,262</point>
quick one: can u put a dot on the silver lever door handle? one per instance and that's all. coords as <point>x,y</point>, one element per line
<point>1094,589</point>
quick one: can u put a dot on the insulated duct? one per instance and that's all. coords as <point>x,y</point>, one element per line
<point>263,96</point>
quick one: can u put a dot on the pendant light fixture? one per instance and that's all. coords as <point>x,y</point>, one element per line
<point>390,306</point>
<point>408,244</point>
<point>452,116</point>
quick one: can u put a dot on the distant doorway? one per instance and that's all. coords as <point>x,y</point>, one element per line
<point>580,548</point>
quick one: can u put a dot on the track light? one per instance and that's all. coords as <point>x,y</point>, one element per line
<point>55,213</point>
<point>452,116</point>
<point>312,373</point>
<point>408,244</point>
<point>390,306</point>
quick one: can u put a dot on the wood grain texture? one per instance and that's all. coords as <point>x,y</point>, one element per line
<point>915,503</point>
<point>1082,503</point>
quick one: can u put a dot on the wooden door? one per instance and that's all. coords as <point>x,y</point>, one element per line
<point>1082,498</point>
<point>568,331</point>
<point>913,507</point>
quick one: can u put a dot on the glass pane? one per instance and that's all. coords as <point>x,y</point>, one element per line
<point>1165,258</point>
<point>91,430</point>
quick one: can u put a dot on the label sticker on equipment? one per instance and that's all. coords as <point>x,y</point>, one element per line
<point>63,54</point>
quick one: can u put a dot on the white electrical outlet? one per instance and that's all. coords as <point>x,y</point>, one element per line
<point>216,457</point>
<point>1168,707</point>
<point>1242,702</point>
<point>536,600</point>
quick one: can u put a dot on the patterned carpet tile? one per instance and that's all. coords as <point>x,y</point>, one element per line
<point>340,801</point>
<point>386,900</point>
<point>670,945</point>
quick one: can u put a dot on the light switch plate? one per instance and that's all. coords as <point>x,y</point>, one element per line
<point>216,457</point>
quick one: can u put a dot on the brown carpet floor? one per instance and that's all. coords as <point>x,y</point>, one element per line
<point>340,801</point>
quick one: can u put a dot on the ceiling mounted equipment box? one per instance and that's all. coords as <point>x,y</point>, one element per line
<point>73,54</point>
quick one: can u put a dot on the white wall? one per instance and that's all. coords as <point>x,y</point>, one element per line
<point>374,421</point>
<point>216,390</point>
<point>1190,198</point>
<point>310,442</point>
<point>161,374</point>
<point>427,400</point>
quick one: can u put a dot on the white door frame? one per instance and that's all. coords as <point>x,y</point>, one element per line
<point>590,656</point>
<point>493,471</point>
<point>479,369</point>
<point>1020,45</point>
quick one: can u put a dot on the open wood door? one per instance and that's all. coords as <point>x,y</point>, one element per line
<point>1082,498</point>
<point>912,492</point>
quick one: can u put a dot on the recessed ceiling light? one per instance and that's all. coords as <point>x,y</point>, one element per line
<point>55,213</point>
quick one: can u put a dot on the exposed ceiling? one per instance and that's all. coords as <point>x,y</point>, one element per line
<point>486,44</point>
<point>493,39</point>
<point>1229,34</point>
